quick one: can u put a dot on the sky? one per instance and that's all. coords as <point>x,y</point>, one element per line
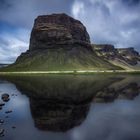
<point>114,22</point>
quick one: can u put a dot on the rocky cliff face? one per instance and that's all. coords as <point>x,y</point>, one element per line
<point>106,50</point>
<point>129,54</point>
<point>57,30</point>
<point>124,57</point>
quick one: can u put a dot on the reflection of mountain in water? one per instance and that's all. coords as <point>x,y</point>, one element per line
<point>128,88</point>
<point>59,103</point>
<point>56,116</point>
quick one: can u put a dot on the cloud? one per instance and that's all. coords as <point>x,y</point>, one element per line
<point>22,13</point>
<point>110,21</point>
<point>11,45</point>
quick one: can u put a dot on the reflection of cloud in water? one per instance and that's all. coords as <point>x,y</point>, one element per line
<point>113,121</point>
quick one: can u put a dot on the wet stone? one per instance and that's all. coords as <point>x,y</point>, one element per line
<point>2,132</point>
<point>13,127</point>
<point>9,111</point>
<point>5,97</point>
<point>1,121</point>
<point>2,104</point>
<point>14,95</point>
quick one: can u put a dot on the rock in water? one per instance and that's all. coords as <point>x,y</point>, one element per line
<point>1,121</point>
<point>2,132</point>
<point>9,111</point>
<point>57,30</point>
<point>5,97</point>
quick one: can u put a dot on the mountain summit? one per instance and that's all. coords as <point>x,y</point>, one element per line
<point>59,42</point>
<point>57,30</point>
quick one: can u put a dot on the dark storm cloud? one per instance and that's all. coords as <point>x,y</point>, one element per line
<point>131,2</point>
<point>23,12</point>
<point>111,21</point>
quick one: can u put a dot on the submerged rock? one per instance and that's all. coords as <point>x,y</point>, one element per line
<point>5,97</point>
<point>2,104</point>
<point>1,121</point>
<point>2,132</point>
<point>13,127</point>
<point>9,111</point>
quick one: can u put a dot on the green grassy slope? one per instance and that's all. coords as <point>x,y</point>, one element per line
<point>76,58</point>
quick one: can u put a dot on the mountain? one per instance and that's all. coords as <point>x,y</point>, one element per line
<point>127,58</point>
<point>59,42</point>
<point>3,65</point>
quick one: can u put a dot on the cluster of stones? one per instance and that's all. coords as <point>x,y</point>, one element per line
<point>4,98</point>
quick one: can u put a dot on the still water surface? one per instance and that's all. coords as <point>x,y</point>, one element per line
<point>70,107</point>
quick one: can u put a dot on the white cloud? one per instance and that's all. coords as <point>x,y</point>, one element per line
<point>112,22</point>
<point>11,45</point>
<point>78,9</point>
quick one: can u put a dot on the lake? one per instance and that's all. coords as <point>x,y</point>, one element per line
<point>70,107</point>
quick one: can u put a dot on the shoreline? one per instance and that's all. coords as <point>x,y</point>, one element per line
<point>72,72</point>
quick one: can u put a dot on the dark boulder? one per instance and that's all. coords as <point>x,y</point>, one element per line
<point>5,97</point>
<point>2,132</point>
<point>9,111</point>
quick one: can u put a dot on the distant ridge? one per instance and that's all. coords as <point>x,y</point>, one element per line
<point>127,58</point>
<point>3,65</point>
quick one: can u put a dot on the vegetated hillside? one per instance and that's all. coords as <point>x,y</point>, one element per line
<point>60,59</point>
<point>127,58</point>
<point>59,42</point>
